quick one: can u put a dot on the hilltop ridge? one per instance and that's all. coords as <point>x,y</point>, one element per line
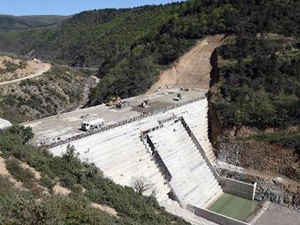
<point>9,22</point>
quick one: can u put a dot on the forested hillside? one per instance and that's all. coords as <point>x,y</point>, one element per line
<point>257,101</point>
<point>9,23</point>
<point>131,46</point>
<point>262,82</point>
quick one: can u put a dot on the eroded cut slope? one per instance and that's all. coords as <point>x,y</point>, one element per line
<point>193,69</point>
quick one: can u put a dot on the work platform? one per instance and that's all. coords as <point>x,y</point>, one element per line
<point>60,127</point>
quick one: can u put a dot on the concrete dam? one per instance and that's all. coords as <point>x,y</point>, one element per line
<point>167,145</point>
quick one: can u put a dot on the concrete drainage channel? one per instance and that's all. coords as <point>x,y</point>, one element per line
<point>215,217</point>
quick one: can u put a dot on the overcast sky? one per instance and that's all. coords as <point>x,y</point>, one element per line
<point>67,7</point>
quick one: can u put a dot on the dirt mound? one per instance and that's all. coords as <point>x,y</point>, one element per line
<point>58,189</point>
<point>105,208</point>
<point>193,69</point>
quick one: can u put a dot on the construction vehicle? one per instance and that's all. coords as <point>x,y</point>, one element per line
<point>92,124</point>
<point>117,103</point>
<point>178,98</point>
<point>145,103</point>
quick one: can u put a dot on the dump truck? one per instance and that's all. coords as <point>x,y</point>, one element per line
<point>92,124</point>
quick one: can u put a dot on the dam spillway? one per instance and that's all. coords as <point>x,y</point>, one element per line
<point>192,180</point>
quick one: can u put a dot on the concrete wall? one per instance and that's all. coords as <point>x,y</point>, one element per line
<point>238,188</point>
<point>158,160</point>
<point>199,147</point>
<point>214,217</point>
<point>229,186</point>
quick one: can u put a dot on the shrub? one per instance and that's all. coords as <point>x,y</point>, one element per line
<point>5,184</point>
<point>24,132</point>
<point>68,180</point>
<point>47,182</point>
<point>21,174</point>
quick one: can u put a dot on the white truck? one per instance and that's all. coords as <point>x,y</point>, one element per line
<point>92,124</point>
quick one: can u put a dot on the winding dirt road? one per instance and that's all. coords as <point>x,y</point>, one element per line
<point>193,69</point>
<point>42,68</point>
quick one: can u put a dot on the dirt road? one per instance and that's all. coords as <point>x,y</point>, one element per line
<point>279,215</point>
<point>193,69</point>
<point>42,68</point>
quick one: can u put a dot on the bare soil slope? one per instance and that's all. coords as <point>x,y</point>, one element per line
<point>193,69</point>
<point>15,70</point>
<point>40,96</point>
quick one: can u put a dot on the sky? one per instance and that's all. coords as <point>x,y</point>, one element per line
<point>67,7</point>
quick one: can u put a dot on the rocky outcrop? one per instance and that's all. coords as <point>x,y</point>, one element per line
<point>260,156</point>
<point>4,124</point>
<point>214,126</point>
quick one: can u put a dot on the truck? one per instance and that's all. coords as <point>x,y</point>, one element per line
<point>92,124</point>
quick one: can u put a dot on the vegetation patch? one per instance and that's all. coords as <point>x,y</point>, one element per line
<point>10,67</point>
<point>131,46</point>
<point>285,139</point>
<point>257,102</point>
<point>19,173</point>
<point>57,90</point>
<point>262,92</point>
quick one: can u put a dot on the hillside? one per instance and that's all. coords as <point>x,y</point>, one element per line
<point>38,96</point>
<point>257,102</point>
<point>9,23</point>
<point>38,188</point>
<point>132,46</point>
<point>193,69</point>
<point>15,70</point>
